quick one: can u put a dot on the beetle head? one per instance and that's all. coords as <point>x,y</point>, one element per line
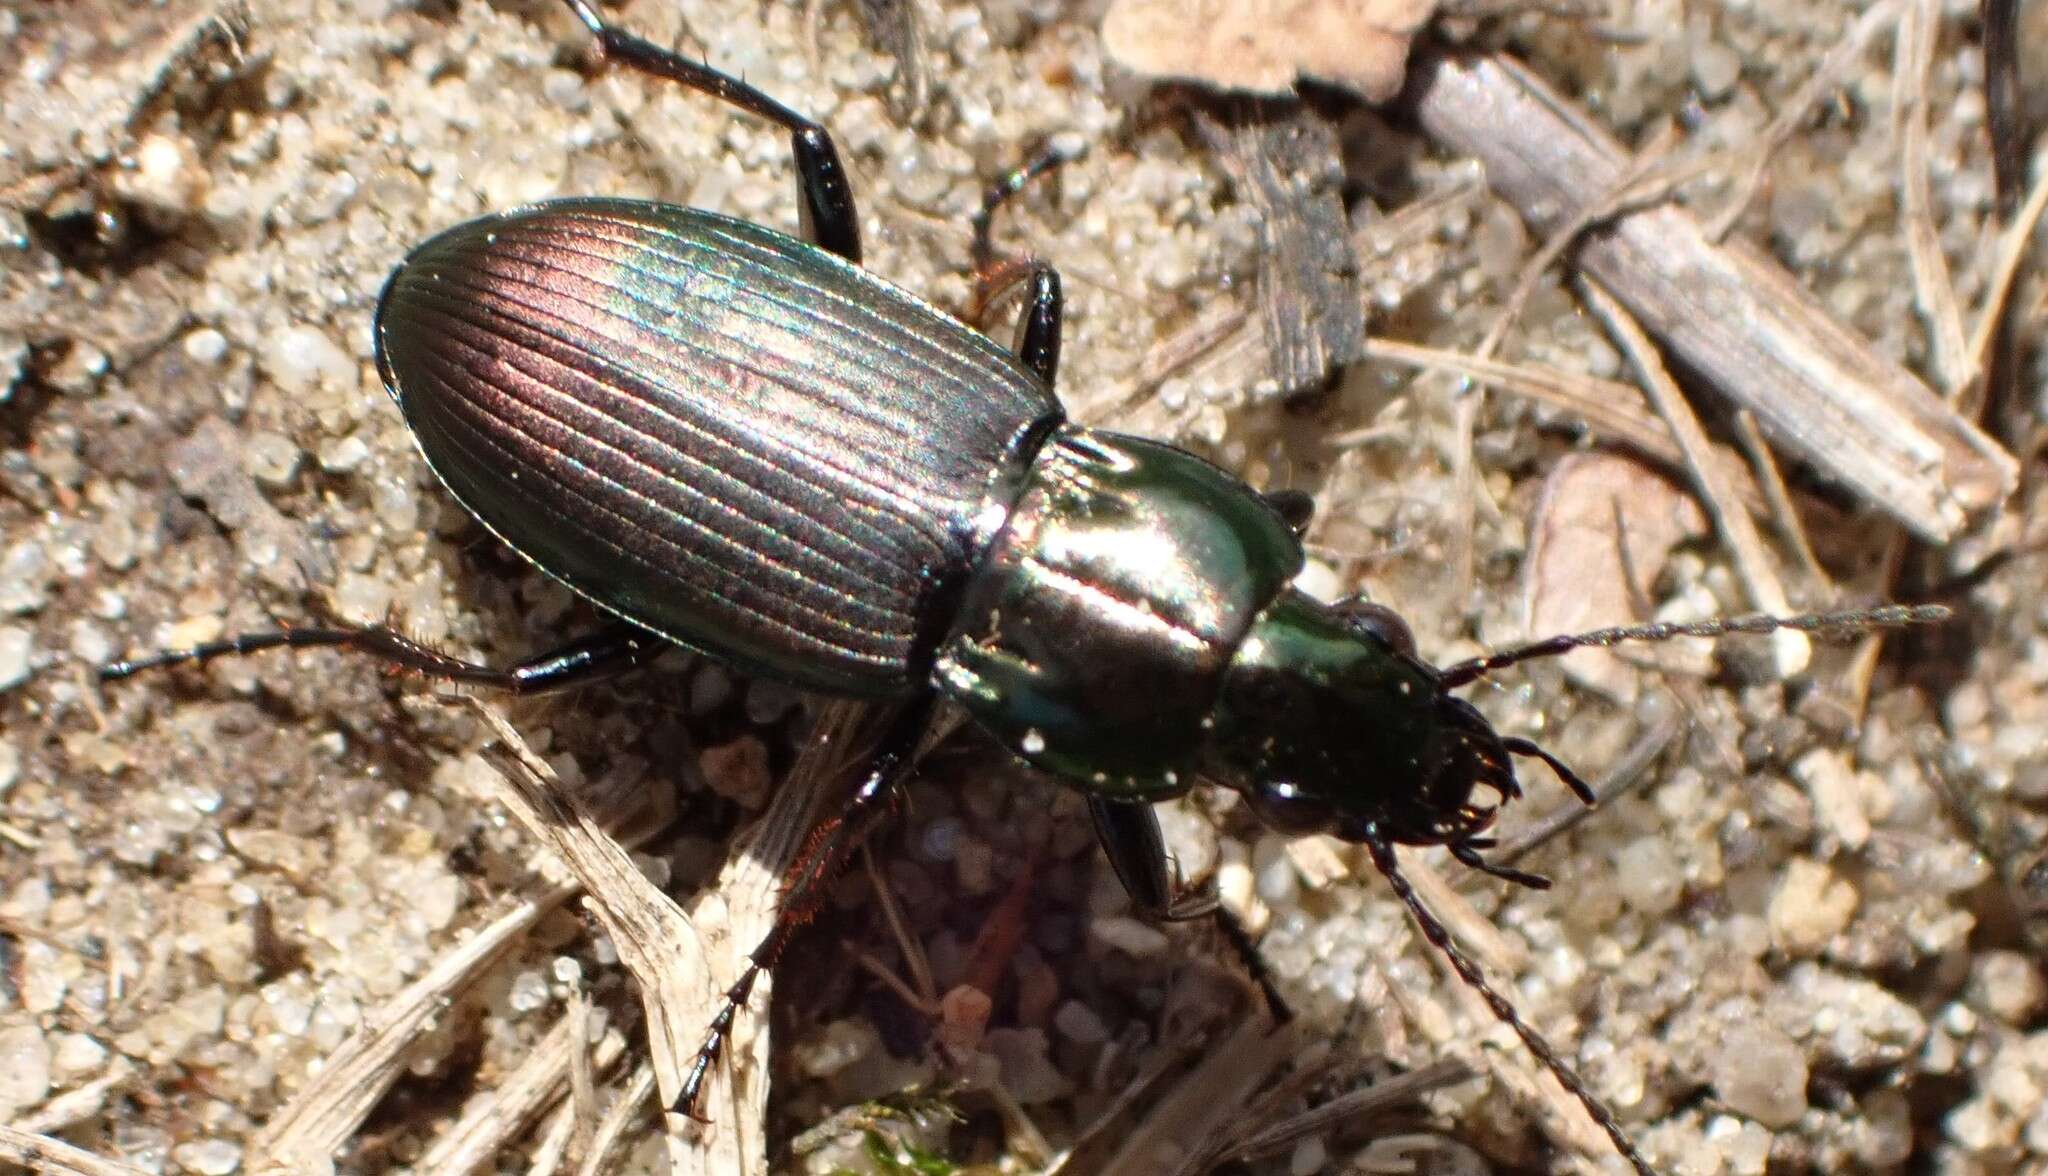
<point>1328,722</point>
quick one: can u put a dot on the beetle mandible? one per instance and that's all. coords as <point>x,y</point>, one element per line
<point>743,443</point>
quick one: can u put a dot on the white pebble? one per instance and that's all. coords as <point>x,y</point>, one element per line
<point>24,1069</point>
<point>16,644</point>
<point>342,455</point>
<point>305,358</point>
<point>208,1157</point>
<point>1129,936</point>
<point>1761,1073</point>
<point>206,346</point>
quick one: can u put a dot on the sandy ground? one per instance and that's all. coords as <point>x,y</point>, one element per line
<point>1793,947</point>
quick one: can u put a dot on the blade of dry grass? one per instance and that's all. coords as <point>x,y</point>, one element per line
<point>40,1153</point>
<point>1914,61</point>
<point>1225,1078</point>
<point>307,1131</point>
<point>1753,564</point>
<point>495,1120</point>
<point>606,1140</point>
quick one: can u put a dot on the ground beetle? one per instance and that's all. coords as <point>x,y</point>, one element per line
<point>744,444</point>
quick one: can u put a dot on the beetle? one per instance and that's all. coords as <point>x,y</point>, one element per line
<point>743,443</point>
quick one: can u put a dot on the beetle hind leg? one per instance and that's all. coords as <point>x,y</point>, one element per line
<point>830,847</point>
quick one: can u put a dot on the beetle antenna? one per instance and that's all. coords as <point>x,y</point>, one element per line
<point>1885,616</point>
<point>1440,938</point>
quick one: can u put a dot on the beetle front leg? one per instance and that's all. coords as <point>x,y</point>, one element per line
<point>1129,832</point>
<point>831,846</point>
<point>605,654</point>
<point>830,219</point>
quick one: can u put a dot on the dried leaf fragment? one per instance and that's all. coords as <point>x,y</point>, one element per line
<point>1577,576</point>
<point>1263,46</point>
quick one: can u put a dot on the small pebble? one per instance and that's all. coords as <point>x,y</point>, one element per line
<point>1761,1073</point>
<point>208,1157</point>
<point>835,1047</point>
<point>10,765</point>
<point>1655,876</point>
<point>1715,69</point>
<point>302,359</point>
<point>1079,1024</point>
<point>739,771</point>
<point>25,573</point>
<point>271,458</point>
<point>16,645</point>
<point>24,1069</point>
<point>206,345</point>
<point>2005,984</point>
<point>963,1017</point>
<point>1028,1074</point>
<point>1810,907</point>
<point>343,454</point>
<point>1129,936</point>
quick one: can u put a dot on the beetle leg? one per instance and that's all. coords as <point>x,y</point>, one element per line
<point>1298,507</point>
<point>831,846</point>
<point>830,219</point>
<point>1037,341</point>
<point>605,654</point>
<point>1129,832</point>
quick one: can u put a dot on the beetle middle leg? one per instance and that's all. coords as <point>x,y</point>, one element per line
<point>1037,339</point>
<point>604,654</point>
<point>830,219</point>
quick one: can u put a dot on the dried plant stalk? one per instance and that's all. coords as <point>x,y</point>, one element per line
<point>1730,313</point>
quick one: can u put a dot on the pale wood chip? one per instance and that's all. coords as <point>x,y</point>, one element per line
<point>1264,46</point>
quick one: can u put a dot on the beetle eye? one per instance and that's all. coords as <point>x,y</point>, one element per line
<point>1288,809</point>
<point>1379,622</point>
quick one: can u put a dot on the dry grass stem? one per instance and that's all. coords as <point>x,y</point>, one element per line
<point>493,1121</point>
<point>1753,563</point>
<point>1784,515</point>
<point>1792,116</point>
<point>2013,244</point>
<point>1346,1108</point>
<point>683,964</point>
<point>1229,1072</point>
<point>307,1131</point>
<point>1914,57</point>
<point>40,1153</point>
<point>1753,334</point>
<point>609,1138</point>
<point>1610,409</point>
<point>76,1106</point>
<point>1473,930</point>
